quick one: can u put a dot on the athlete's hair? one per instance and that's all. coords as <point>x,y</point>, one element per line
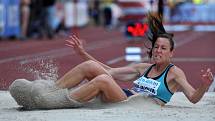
<point>156,30</point>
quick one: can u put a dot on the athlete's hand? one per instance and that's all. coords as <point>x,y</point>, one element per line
<point>76,44</point>
<point>207,77</point>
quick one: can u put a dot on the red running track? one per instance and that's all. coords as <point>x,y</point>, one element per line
<point>50,59</point>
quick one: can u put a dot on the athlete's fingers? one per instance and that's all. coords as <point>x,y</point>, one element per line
<point>70,42</point>
<point>205,71</point>
<point>78,40</point>
<point>210,75</point>
<point>71,38</point>
<point>208,70</point>
<point>75,37</point>
<point>69,45</point>
<point>73,41</point>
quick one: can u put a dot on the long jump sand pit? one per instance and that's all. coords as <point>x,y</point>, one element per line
<point>135,109</point>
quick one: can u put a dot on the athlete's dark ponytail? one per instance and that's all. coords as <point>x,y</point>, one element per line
<point>156,30</point>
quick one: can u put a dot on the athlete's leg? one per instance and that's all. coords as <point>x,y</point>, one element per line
<point>102,84</point>
<point>86,70</point>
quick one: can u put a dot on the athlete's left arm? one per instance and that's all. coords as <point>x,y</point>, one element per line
<point>194,95</point>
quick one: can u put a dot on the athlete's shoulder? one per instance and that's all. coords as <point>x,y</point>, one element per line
<point>177,71</point>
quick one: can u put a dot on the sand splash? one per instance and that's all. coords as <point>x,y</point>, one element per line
<point>43,69</point>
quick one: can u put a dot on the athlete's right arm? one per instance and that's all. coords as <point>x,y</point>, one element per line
<point>126,73</point>
<point>129,73</point>
<point>77,45</point>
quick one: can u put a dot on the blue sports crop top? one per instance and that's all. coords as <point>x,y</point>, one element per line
<point>156,87</point>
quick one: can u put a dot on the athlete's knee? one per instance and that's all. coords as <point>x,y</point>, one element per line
<point>89,63</point>
<point>92,68</point>
<point>103,80</point>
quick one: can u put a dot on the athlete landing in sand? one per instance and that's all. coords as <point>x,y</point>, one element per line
<point>158,80</point>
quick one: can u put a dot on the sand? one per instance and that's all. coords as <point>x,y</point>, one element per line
<point>136,109</point>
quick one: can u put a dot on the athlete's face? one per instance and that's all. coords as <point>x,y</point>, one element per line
<point>161,51</point>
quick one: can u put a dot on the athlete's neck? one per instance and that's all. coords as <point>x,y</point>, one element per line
<point>161,67</point>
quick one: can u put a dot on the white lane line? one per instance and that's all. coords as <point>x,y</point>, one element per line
<point>193,59</point>
<point>115,60</point>
<point>24,57</point>
<point>180,43</point>
<point>204,28</point>
<point>9,48</point>
<point>209,28</point>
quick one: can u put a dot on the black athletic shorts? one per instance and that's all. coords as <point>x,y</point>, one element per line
<point>127,92</point>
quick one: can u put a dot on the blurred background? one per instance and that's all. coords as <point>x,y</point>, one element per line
<point>32,34</point>
<point>26,19</point>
